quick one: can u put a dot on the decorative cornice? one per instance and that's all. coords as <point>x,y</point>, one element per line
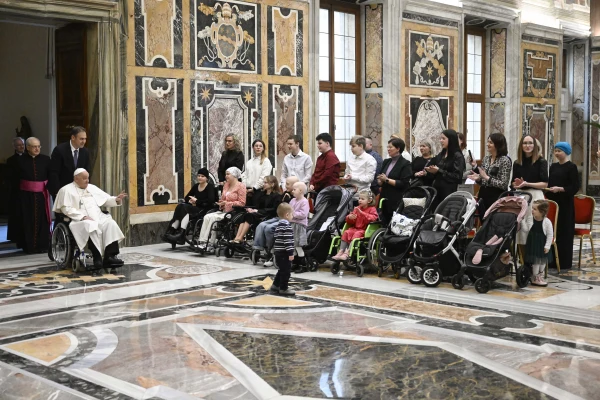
<point>83,10</point>
<point>490,11</point>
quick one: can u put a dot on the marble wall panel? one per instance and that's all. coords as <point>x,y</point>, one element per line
<point>218,111</point>
<point>498,63</point>
<point>158,33</point>
<point>429,61</point>
<point>374,45</point>
<point>579,73</point>
<point>226,36</point>
<point>427,119</point>
<point>159,140</point>
<point>578,138</point>
<point>539,74</point>
<point>285,119</point>
<point>496,123</point>
<point>594,172</point>
<point>285,38</point>
<point>374,119</point>
<point>538,121</point>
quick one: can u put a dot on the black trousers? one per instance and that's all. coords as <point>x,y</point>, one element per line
<point>282,278</point>
<point>110,251</point>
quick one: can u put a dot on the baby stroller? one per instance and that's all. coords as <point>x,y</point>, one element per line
<point>500,226</point>
<point>442,239</point>
<point>331,208</point>
<point>387,249</point>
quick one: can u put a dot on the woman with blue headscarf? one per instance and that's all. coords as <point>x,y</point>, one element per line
<point>563,185</point>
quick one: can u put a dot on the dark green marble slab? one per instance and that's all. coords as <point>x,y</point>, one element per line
<point>346,369</point>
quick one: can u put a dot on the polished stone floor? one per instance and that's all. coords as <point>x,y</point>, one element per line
<point>174,325</point>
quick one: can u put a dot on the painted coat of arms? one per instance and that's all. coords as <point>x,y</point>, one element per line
<point>226,36</point>
<point>428,60</point>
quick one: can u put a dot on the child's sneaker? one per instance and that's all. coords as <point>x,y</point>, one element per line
<point>287,292</point>
<point>274,289</point>
<point>535,280</point>
<point>268,264</point>
<point>541,281</point>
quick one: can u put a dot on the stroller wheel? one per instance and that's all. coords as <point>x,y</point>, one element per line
<point>312,264</point>
<point>522,276</point>
<point>173,245</point>
<point>482,285</point>
<point>431,276</point>
<point>414,274</point>
<point>458,281</point>
<point>360,270</point>
<point>335,268</point>
<point>254,256</point>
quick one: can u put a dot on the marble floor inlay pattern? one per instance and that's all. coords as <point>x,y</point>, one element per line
<point>171,325</point>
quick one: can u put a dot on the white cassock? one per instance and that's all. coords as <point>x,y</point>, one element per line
<point>77,203</point>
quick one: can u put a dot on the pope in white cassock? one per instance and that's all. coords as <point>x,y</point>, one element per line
<point>81,202</point>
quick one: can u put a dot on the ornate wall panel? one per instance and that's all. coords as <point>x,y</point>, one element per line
<point>429,64</point>
<point>225,36</point>
<point>374,119</point>
<point>579,73</point>
<point>539,72</point>
<point>498,63</point>
<point>496,123</point>
<point>578,139</point>
<point>594,172</point>
<point>538,121</point>
<point>285,119</point>
<point>220,111</point>
<point>374,50</point>
<point>158,33</point>
<point>427,119</point>
<point>285,38</point>
<point>159,140</point>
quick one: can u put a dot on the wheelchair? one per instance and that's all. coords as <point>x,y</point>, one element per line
<point>64,251</point>
<point>224,230</point>
<point>358,250</point>
<point>245,248</point>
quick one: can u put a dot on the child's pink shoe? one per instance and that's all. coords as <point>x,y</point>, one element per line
<point>344,256</point>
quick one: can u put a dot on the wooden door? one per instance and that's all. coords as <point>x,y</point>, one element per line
<point>71,80</point>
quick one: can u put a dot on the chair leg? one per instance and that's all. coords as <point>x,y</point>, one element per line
<point>556,257</point>
<point>593,251</point>
<point>580,248</point>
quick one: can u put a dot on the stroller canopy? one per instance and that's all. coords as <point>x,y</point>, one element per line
<point>512,204</point>
<point>331,201</point>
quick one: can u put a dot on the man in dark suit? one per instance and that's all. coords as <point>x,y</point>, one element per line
<point>12,170</point>
<point>66,158</point>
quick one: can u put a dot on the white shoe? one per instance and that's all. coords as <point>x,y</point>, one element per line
<point>268,264</point>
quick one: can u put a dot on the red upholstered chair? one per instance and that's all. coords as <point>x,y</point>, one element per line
<point>585,206</point>
<point>553,217</point>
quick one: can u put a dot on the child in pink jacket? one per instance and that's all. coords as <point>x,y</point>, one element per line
<point>358,220</point>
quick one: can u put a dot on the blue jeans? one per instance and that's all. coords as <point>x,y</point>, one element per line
<point>264,236</point>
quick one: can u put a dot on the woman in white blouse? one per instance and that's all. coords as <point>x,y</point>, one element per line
<point>257,168</point>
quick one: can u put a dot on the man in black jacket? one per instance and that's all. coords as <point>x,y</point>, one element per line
<point>66,158</point>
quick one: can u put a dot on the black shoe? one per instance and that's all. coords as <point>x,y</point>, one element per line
<point>113,261</point>
<point>113,271</point>
<point>177,237</point>
<point>274,289</point>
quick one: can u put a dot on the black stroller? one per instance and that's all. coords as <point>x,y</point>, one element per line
<point>501,222</point>
<point>331,208</point>
<point>388,250</point>
<point>442,240</point>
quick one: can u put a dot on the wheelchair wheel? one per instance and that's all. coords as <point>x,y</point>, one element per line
<point>335,267</point>
<point>360,270</point>
<point>63,246</point>
<point>228,252</point>
<point>373,248</point>
<point>414,274</point>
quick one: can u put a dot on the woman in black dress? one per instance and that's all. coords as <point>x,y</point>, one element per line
<point>494,174</point>
<point>446,168</point>
<point>394,178</point>
<point>563,185</point>
<point>529,174</point>
<point>198,201</point>
<point>419,163</point>
<point>231,157</point>
<point>264,206</point>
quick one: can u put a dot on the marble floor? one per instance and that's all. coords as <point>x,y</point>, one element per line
<point>174,325</point>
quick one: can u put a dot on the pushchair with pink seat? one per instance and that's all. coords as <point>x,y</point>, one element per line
<point>487,256</point>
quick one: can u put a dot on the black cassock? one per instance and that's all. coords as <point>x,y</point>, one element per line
<point>32,207</point>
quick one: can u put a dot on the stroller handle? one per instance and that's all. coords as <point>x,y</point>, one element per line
<point>517,193</point>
